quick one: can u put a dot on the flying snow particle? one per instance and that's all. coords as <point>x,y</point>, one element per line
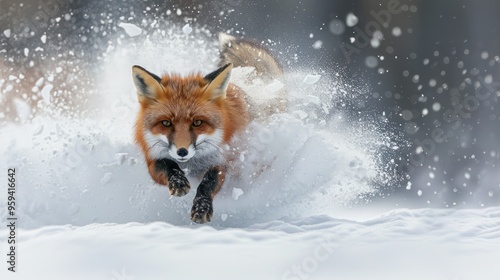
<point>236,193</point>
<point>26,51</point>
<point>223,217</point>
<point>436,106</point>
<point>311,79</point>
<point>351,20</point>
<point>179,12</point>
<point>377,37</point>
<point>46,93</point>
<point>318,45</point>
<point>488,79</point>
<point>6,32</point>
<point>375,43</point>
<point>371,61</point>
<point>484,55</point>
<point>396,31</point>
<point>187,29</point>
<point>337,27</point>
<point>419,192</point>
<point>39,82</point>
<point>131,29</point>
<point>43,38</point>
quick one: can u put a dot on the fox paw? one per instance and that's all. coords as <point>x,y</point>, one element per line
<point>178,184</point>
<point>202,210</point>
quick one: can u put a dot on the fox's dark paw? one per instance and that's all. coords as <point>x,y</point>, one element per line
<point>202,210</point>
<point>178,184</point>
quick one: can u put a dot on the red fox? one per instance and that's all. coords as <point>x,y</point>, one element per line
<point>184,123</point>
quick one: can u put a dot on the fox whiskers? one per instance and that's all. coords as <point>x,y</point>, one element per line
<point>156,143</point>
<point>207,141</point>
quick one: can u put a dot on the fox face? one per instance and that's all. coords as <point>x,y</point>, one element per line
<point>182,118</point>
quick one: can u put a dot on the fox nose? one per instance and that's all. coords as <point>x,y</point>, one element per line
<point>182,152</point>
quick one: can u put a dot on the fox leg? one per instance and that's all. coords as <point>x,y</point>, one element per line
<point>202,210</point>
<point>167,172</point>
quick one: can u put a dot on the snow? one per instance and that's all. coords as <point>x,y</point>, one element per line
<point>45,93</point>
<point>298,208</point>
<point>396,31</point>
<point>237,193</point>
<point>131,29</point>
<point>402,244</point>
<point>187,29</point>
<point>311,79</point>
<point>351,20</point>
<point>317,45</point>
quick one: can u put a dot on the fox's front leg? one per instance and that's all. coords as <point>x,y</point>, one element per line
<point>202,210</point>
<point>167,172</point>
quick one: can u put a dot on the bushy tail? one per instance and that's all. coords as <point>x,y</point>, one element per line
<point>244,53</point>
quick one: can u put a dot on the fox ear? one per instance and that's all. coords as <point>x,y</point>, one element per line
<point>148,84</point>
<point>218,82</point>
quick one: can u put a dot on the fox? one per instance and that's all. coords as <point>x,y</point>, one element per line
<point>185,124</point>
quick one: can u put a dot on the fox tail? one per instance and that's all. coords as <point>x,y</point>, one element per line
<point>244,53</point>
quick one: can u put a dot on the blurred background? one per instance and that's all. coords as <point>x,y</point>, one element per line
<point>426,71</point>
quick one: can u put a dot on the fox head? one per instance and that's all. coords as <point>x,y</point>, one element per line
<point>181,117</point>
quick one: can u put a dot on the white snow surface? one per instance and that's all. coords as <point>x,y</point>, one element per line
<point>87,208</point>
<point>402,244</point>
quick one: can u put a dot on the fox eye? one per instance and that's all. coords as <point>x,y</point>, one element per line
<point>166,123</point>
<point>197,123</point>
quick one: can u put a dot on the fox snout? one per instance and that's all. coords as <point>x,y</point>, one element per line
<point>182,154</point>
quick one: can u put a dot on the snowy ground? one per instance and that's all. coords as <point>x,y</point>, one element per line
<point>87,208</point>
<point>402,244</point>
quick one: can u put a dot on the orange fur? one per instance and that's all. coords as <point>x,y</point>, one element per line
<point>183,100</point>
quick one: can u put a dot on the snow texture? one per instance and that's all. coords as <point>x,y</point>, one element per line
<point>402,244</point>
<point>89,210</point>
